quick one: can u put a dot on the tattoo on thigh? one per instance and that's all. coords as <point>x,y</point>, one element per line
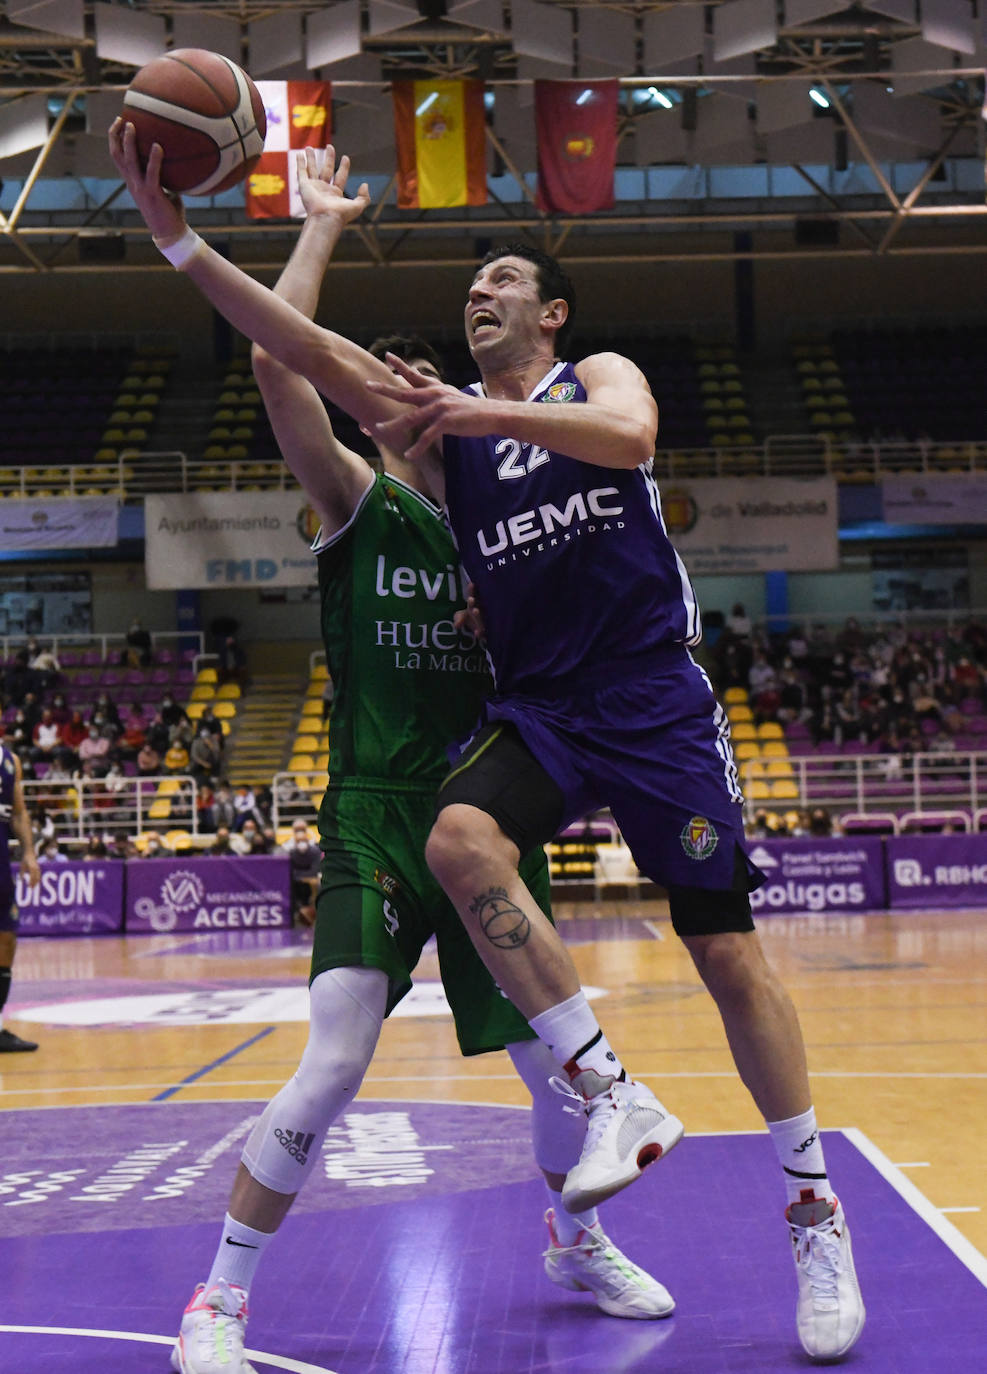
<point>502,922</point>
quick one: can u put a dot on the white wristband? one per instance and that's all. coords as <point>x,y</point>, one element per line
<point>183,250</point>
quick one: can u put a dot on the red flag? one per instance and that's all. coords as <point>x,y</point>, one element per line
<point>576,122</point>
<point>299,115</point>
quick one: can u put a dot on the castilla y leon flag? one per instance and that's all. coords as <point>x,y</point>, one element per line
<point>440,133</point>
<point>576,124</point>
<point>298,116</point>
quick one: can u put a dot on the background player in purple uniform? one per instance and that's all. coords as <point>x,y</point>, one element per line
<point>651,743</point>
<point>13,820</point>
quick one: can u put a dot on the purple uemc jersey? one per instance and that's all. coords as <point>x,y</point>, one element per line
<point>574,569</point>
<point>8,781</point>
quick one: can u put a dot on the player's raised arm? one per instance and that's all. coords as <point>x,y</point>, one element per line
<point>335,365</point>
<point>333,476</point>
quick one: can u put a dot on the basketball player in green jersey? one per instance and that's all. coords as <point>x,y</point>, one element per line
<point>407,681</point>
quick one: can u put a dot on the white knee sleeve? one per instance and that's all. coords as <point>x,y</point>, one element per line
<point>347,1012</point>
<point>557,1135</point>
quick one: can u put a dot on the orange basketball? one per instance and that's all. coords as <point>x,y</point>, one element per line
<point>205,112</point>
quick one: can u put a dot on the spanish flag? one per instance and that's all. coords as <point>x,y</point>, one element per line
<point>439,129</point>
<point>576,123</point>
<point>299,115</point>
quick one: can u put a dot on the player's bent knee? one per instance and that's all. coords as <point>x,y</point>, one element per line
<point>462,841</point>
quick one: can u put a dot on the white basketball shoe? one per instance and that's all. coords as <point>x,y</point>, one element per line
<point>830,1312</point>
<point>592,1263</point>
<point>628,1129</point>
<point>211,1337</point>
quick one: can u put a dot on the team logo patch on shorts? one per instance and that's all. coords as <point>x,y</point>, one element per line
<point>699,838</point>
<point>384,880</point>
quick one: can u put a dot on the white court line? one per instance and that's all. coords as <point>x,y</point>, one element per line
<point>914,1164</point>
<point>964,1250</point>
<point>654,930</point>
<point>959,1209</point>
<point>275,1361</point>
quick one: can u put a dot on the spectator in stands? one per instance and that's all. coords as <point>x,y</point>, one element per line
<point>966,676</point>
<point>204,756</point>
<point>793,704</point>
<point>839,676</point>
<point>245,803</point>
<point>19,679</point>
<point>224,808</point>
<point>105,706</point>
<point>305,861</point>
<point>205,798</point>
<point>232,661</point>
<point>173,714</point>
<point>739,622</point>
<point>60,709</point>
<point>762,674</point>
<point>208,721</point>
<point>154,846</point>
<point>148,761</point>
<point>95,748</point>
<point>96,848</point>
<point>941,742</point>
<point>138,651</point>
<point>123,847</point>
<point>820,823</point>
<point>44,662</point>
<point>223,843</point>
<point>249,839</point>
<point>42,827</point>
<point>847,716</point>
<point>134,733</point>
<point>176,760</point>
<point>797,646</point>
<point>851,638</point>
<point>52,852</point>
<point>74,732</point>
<point>47,736</point>
<point>158,735</point>
<point>31,708</point>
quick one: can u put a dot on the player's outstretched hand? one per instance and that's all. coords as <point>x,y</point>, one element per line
<point>162,212</point>
<point>324,192</point>
<point>441,409</point>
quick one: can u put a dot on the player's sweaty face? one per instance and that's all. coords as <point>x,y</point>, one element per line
<point>503,302</point>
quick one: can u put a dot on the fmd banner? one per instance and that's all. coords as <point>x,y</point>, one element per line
<point>229,539</point>
<point>806,874</point>
<point>251,892</point>
<point>754,524</point>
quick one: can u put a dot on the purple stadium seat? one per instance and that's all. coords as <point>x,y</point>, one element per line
<point>977,725</point>
<point>84,679</point>
<point>92,658</point>
<point>161,676</point>
<point>109,678</point>
<point>134,678</point>
<point>69,658</point>
<point>797,730</point>
<point>164,656</point>
<point>970,706</point>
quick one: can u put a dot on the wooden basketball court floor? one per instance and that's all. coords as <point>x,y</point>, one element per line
<point>416,1248</point>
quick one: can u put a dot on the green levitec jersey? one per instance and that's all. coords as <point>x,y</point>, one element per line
<point>407,682</point>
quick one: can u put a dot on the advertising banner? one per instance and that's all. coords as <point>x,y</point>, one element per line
<point>73,898</point>
<point>212,893</point>
<point>935,500</point>
<point>229,539</point>
<point>722,525</point>
<point>819,875</point>
<point>87,522</point>
<point>937,871</point>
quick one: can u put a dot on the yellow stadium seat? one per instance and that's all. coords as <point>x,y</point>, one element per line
<point>301,763</point>
<point>784,789</point>
<point>735,695</point>
<point>194,710</point>
<point>228,691</point>
<point>774,749</point>
<point>739,712</point>
<point>178,839</point>
<point>207,675</point>
<point>319,673</point>
<point>770,729</point>
<point>747,749</point>
<point>307,744</point>
<point>757,790</point>
<point>322,761</point>
<point>167,787</point>
<point>225,726</point>
<point>312,706</point>
<point>160,809</point>
<point>202,691</point>
<point>224,710</point>
<point>779,768</point>
<point>743,730</point>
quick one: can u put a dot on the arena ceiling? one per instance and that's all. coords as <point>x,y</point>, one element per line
<point>749,128</point>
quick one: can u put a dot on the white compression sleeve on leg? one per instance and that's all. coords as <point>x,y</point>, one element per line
<point>347,1012</point>
<point>557,1135</point>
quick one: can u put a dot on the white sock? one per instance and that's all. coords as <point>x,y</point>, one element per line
<point>572,1032</point>
<point>800,1153</point>
<point>239,1253</point>
<point>569,1224</point>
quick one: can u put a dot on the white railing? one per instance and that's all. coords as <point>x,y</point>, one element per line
<point>121,806</point>
<point>866,783</point>
<point>110,646</point>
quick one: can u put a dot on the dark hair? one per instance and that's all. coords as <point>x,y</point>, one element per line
<point>407,347</point>
<point>553,283</point>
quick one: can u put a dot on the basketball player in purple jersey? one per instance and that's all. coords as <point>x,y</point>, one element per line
<point>13,820</point>
<point>556,514</point>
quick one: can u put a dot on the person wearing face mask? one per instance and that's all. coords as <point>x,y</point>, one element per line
<point>306,862</point>
<point>154,847</point>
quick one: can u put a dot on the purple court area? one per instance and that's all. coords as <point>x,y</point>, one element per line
<point>416,1249</point>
